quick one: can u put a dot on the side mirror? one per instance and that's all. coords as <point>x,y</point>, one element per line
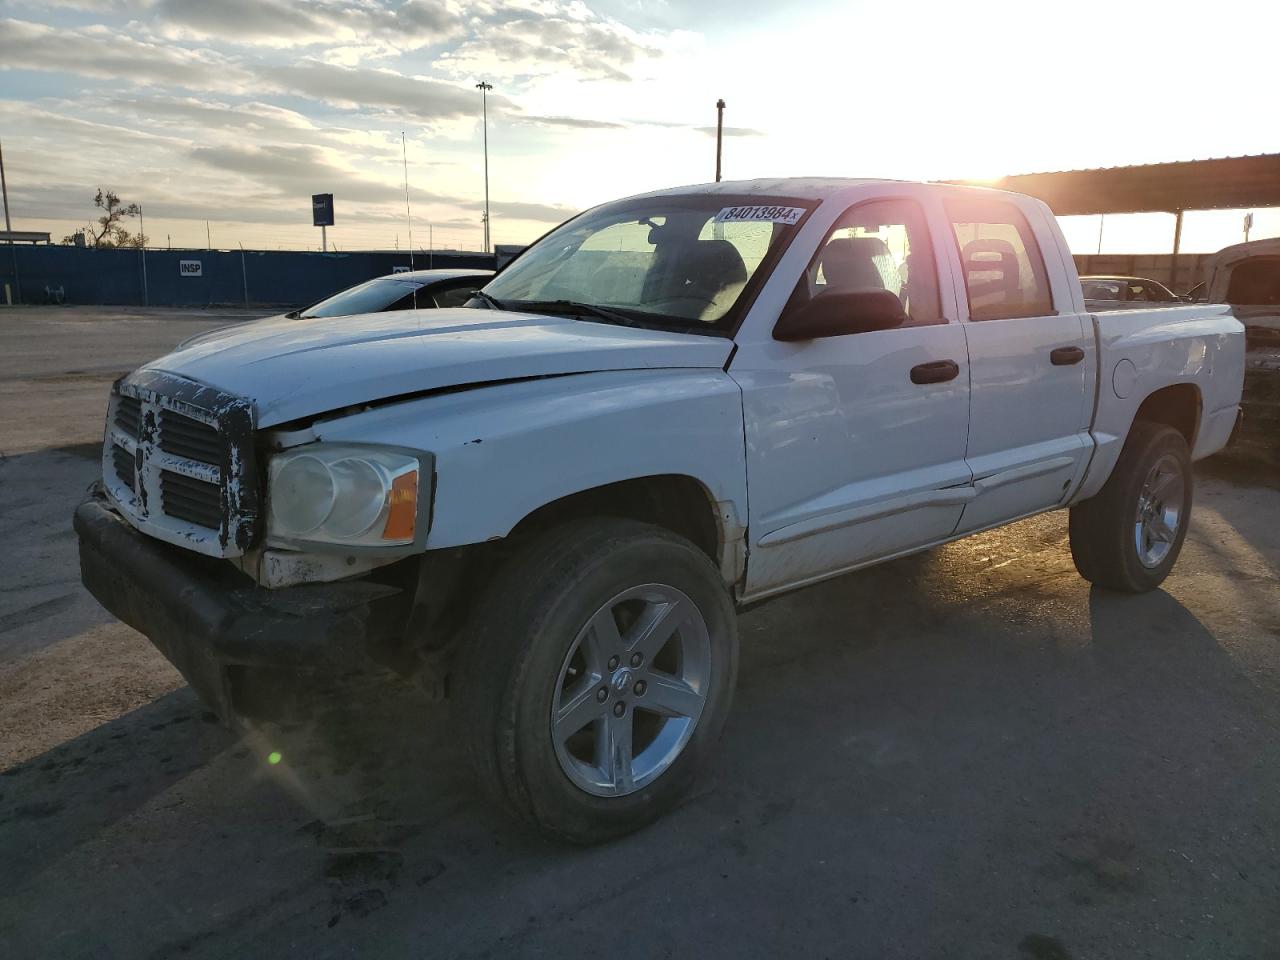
<point>834,313</point>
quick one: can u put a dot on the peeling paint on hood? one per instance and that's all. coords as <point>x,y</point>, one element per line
<point>292,369</point>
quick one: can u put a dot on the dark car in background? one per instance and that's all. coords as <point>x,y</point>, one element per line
<point>1247,276</point>
<point>1127,290</point>
<point>410,290</point>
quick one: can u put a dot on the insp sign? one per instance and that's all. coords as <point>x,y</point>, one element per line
<point>190,268</point>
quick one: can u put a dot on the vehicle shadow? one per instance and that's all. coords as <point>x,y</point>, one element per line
<point>894,730</point>
<point>68,795</point>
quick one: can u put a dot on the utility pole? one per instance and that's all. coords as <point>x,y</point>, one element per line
<point>484,89</point>
<point>208,237</point>
<point>8,226</point>
<point>719,134</point>
<point>142,252</point>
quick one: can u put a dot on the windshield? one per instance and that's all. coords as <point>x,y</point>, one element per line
<point>673,260</point>
<point>374,296</point>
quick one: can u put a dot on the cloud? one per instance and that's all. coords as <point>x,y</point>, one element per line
<point>266,122</point>
<point>577,122</point>
<point>419,97</point>
<point>98,52</point>
<point>281,23</point>
<point>542,38</point>
<point>517,210</point>
<point>296,170</point>
<point>292,171</point>
<point>732,131</point>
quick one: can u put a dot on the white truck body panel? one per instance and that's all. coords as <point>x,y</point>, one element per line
<point>502,452</point>
<point>816,456</point>
<point>1201,345</point>
<point>298,368</point>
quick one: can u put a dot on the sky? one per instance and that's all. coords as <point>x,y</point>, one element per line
<point>222,117</point>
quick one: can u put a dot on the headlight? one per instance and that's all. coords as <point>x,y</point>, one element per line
<point>345,495</point>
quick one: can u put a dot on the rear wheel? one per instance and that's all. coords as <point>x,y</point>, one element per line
<point>598,677</point>
<point>1129,535</point>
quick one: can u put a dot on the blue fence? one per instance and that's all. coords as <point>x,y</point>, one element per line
<point>257,277</point>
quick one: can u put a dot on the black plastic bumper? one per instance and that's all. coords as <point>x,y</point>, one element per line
<point>213,624</point>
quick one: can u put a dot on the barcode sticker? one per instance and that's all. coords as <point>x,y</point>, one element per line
<point>760,214</point>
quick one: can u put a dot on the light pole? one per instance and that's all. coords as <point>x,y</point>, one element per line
<point>719,134</point>
<point>484,89</point>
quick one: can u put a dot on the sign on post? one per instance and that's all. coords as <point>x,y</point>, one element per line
<point>191,268</point>
<point>322,209</point>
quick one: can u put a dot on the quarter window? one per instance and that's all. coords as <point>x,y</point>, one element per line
<point>1004,273</point>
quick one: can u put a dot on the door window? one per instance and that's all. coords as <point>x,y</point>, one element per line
<point>1004,274</point>
<point>881,245</point>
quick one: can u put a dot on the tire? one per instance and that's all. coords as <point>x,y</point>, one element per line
<point>540,642</point>
<point>1151,479</point>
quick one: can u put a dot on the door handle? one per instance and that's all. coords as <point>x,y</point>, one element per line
<point>1065,356</point>
<point>939,371</point>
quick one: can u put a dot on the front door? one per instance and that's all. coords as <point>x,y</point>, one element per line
<point>1031,363</point>
<point>856,443</point>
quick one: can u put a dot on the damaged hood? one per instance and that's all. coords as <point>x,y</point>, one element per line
<point>299,368</point>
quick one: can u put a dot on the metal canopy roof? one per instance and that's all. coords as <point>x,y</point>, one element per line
<point>1226,183</point>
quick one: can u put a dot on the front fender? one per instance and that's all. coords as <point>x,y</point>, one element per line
<point>503,451</point>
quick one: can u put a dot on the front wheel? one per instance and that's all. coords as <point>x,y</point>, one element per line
<point>597,677</point>
<point>1129,535</point>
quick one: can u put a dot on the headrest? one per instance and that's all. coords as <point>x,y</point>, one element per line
<point>857,262</point>
<point>716,260</point>
<point>1003,248</point>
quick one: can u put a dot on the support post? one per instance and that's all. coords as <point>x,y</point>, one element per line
<point>142,252</point>
<point>484,89</point>
<point>1177,245</point>
<point>719,135</point>
<point>13,253</point>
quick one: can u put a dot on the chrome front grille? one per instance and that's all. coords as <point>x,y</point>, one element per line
<point>179,462</point>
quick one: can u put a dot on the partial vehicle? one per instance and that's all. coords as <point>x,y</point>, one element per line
<point>1247,276</point>
<point>1127,290</point>
<point>405,290</point>
<point>548,506</point>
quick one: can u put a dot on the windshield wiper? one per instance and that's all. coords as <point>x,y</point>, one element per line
<point>581,309</point>
<point>493,302</point>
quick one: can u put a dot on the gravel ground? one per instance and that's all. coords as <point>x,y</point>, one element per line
<point>966,753</point>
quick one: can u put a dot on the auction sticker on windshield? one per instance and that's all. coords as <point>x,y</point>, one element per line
<point>766,214</point>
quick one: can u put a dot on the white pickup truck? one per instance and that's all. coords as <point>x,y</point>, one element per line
<point>548,504</point>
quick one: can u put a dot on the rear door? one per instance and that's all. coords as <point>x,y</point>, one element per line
<point>1031,360</point>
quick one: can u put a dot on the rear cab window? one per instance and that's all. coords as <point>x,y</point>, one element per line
<point>1000,260</point>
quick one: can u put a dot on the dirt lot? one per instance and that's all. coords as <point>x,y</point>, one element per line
<point>967,753</point>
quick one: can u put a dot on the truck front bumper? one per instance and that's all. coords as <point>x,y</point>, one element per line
<point>223,633</point>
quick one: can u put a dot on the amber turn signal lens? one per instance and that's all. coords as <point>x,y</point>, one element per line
<point>402,509</point>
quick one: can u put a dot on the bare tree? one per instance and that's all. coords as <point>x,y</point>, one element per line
<point>109,229</point>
